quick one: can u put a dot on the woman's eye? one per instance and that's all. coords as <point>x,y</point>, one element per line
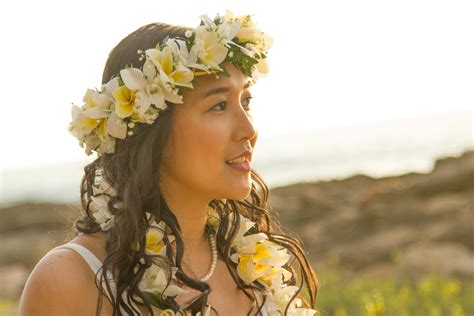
<point>248,101</point>
<point>218,104</point>
<point>245,104</point>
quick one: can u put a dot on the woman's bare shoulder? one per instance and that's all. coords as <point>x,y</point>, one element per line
<point>61,283</point>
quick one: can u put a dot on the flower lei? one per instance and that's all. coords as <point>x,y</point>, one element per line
<point>258,260</point>
<point>138,96</point>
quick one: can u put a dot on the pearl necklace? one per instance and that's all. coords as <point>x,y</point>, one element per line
<point>212,240</point>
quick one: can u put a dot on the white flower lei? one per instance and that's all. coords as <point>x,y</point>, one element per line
<point>258,260</point>
<point>138,96</point>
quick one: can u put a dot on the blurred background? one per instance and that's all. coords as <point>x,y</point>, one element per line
<point>366,138</point>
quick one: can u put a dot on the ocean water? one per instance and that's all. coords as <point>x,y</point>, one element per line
<point>375,149</point>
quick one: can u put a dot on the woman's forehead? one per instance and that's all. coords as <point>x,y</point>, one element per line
<point>236,80</point>
<point>205,85</point>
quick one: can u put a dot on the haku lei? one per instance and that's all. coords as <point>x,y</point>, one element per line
<point>138,95</point>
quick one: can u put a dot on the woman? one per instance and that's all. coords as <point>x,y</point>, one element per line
<point>175,220</point>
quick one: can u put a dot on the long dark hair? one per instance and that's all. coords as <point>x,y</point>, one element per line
<point>132,170</point>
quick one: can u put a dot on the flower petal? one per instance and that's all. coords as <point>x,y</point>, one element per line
<point>95,113</point>
<point>76,111</point>
<point>133,78</point>
<point>116,127</point>
<point>123,109</point>
<point>111,86</point>
<point>149,70</point>
<point>173,290</point>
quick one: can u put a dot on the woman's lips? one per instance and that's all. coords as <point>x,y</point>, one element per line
<point>241,166</point>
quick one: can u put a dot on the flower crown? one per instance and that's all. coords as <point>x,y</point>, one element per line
<point>137,96</point>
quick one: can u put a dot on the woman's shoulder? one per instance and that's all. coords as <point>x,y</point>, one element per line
<point>62,282</point>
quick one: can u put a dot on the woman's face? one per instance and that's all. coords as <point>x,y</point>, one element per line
<point>211,127</point>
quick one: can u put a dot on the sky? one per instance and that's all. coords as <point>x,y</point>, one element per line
<point>333,63</point>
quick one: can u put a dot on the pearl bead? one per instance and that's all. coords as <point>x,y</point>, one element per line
<point>212,240</point>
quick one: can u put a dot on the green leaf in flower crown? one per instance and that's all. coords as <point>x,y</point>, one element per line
<point>223,73</point>
<point>243,61</point>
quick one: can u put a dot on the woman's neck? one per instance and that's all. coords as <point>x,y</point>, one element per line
<point>197,255</point>
<point>191,215</point>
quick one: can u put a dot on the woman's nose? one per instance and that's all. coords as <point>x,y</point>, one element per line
<point>246,129</point>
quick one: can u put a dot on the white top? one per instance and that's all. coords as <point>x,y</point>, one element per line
<point>95,264</point>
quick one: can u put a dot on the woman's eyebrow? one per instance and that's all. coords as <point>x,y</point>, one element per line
<point>222,89</point>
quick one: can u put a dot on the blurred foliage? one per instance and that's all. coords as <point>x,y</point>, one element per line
<point>8,307</point>
<point>369,296</point>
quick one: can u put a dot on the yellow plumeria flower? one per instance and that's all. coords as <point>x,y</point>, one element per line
<point>263,263</point>
<point>89,99</point>
<point>163,60</point>
<point>124,101</point>
<point>81,124</point>
<point>248,270</point>
<point>154,241</point>
<point>167,312</point>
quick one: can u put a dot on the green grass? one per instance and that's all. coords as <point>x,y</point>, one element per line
<point>430,296</point>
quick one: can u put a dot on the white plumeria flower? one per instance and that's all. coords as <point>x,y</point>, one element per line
<point>177,75</point>
<point>98,105</point>
<point>102,192</point>
<point>263,263</point>
<point>276,278</point>
<point>145,88</point>
<point>228,27</point>
<point>257,257</point>
<point>276,303</point>
<point>246,244</point>
<point>109,87</point>
<point>81,125</point>
<point>99,208</point>
<point>116,127</point>
<point>210,49</point>
<point>100,212</point>
<point>281,299</point>
<point>179,49</point>
<point>154,281</point>
<point>103,187</point>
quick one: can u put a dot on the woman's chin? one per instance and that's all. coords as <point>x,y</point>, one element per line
<point>241,191</point>
<point>236,185</point>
